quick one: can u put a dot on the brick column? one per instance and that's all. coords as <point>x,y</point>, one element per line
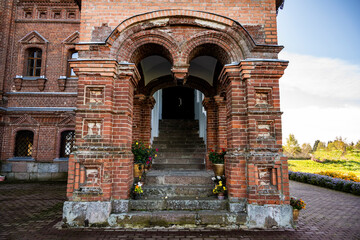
<point>237,139</point>
<point>146,107</point>
<point>211,125</point>
<point>138,99</point>
<point>101,167</point>
<point>221,123</point>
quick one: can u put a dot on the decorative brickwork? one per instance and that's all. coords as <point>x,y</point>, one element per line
<point>60,76</point>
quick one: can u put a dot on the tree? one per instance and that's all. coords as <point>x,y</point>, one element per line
<point>306,150</point>
<point>321,146</point>
<point>292,146</point>
<point>315,145</point>
<point>357,145</point>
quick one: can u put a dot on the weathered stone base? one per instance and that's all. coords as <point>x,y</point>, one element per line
<point>118,214</point>
<point>17,170</point>
<point>269,216</point>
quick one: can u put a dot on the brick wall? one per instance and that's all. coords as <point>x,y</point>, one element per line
<point>259,15</point>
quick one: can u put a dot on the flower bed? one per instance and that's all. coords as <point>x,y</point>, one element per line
<point>326,181</point>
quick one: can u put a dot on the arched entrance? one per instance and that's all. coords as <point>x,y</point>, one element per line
<point>177,50</point>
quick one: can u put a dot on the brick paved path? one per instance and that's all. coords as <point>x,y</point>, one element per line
<point>31,210</point>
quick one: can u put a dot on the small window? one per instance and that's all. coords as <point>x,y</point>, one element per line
<point>34,62</point>
<point>24,144</point>
<point>73,55</point>
<point>67,142</point>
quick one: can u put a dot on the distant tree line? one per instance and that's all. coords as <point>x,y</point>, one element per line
<point>292,148</point>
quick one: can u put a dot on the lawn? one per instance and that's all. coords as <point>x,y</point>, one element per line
<point>310,166</point>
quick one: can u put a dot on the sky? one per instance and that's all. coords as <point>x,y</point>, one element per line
<point>320,90</point>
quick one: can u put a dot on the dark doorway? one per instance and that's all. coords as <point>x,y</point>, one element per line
<point>178,103</point>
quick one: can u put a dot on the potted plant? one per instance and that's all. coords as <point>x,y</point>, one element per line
<point>217,159</point>
<point>220,187</point>
<point>138,190</point>
<point>297,205</point>
<point>143,157</point>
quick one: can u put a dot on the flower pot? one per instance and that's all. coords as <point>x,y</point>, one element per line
<point>296,214</point>
<point>221,196</point>
<point>218,169</point>
<point>138,170</point>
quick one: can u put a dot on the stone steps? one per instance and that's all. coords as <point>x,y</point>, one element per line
<point>172,166</point>
<point>174,191</point>
<point>188,219</point>
<point>178,204</point>
<point>175,160</point>
<point>178,177</point>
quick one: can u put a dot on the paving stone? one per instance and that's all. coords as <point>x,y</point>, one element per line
<point>34,209</point>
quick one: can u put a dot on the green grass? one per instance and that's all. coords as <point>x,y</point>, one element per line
<point>337,155</point>
<point>310,166</point>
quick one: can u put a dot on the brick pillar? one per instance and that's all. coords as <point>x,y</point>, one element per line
<point>267,176</point>
<point>236,124</point>
<point>221,123</point>
<point>211,124</point>
<point>102,164</point>
<point>138,99</point>
<point>145,131</point>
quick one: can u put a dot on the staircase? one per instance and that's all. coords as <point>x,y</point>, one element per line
<point>179,144</point>
<point>178,189</point>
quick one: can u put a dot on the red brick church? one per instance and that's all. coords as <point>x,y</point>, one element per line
<point>81,80</point>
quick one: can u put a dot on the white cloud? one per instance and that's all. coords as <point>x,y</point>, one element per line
<point>320,98</point>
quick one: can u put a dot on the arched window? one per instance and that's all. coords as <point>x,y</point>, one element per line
<point>72,55</point>
<point>24,143</point>
<point>34,62</point>
<point>66,144</point>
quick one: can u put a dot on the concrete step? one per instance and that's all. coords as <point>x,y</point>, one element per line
<point>179,177</point>
<point>178,204</point>
<point>175,160</point>
<point>171,191</point>
<point>188,219</point>
<point>174,166</point>
<point>179,153</point>
<point>180,146</point>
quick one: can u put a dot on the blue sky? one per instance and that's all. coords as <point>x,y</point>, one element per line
<point>320,90</point>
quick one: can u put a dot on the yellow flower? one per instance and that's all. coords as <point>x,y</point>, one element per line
<point>220,183</point>
<point>224,188</point>
<point>137,143</point>
<point>149,146</point>
<point>155,155</point>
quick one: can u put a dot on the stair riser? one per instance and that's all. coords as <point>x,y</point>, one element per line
<point>180,155</point>
<point>178,161</point>
<point>177,191</point>
<point>192,219</point>
<point>179,166</point>
<point>177,205</point>
<point>183,147</point>
<point>177,180</point>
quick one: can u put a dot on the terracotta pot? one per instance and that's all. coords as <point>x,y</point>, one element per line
<point>138,170</point>
<point>218,169</point>
<point>221,196</point>
<point>296,214</point>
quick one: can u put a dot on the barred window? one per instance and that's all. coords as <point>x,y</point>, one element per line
<point>67,142</point>
<point>34,62</point>
<point>24,143</point>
